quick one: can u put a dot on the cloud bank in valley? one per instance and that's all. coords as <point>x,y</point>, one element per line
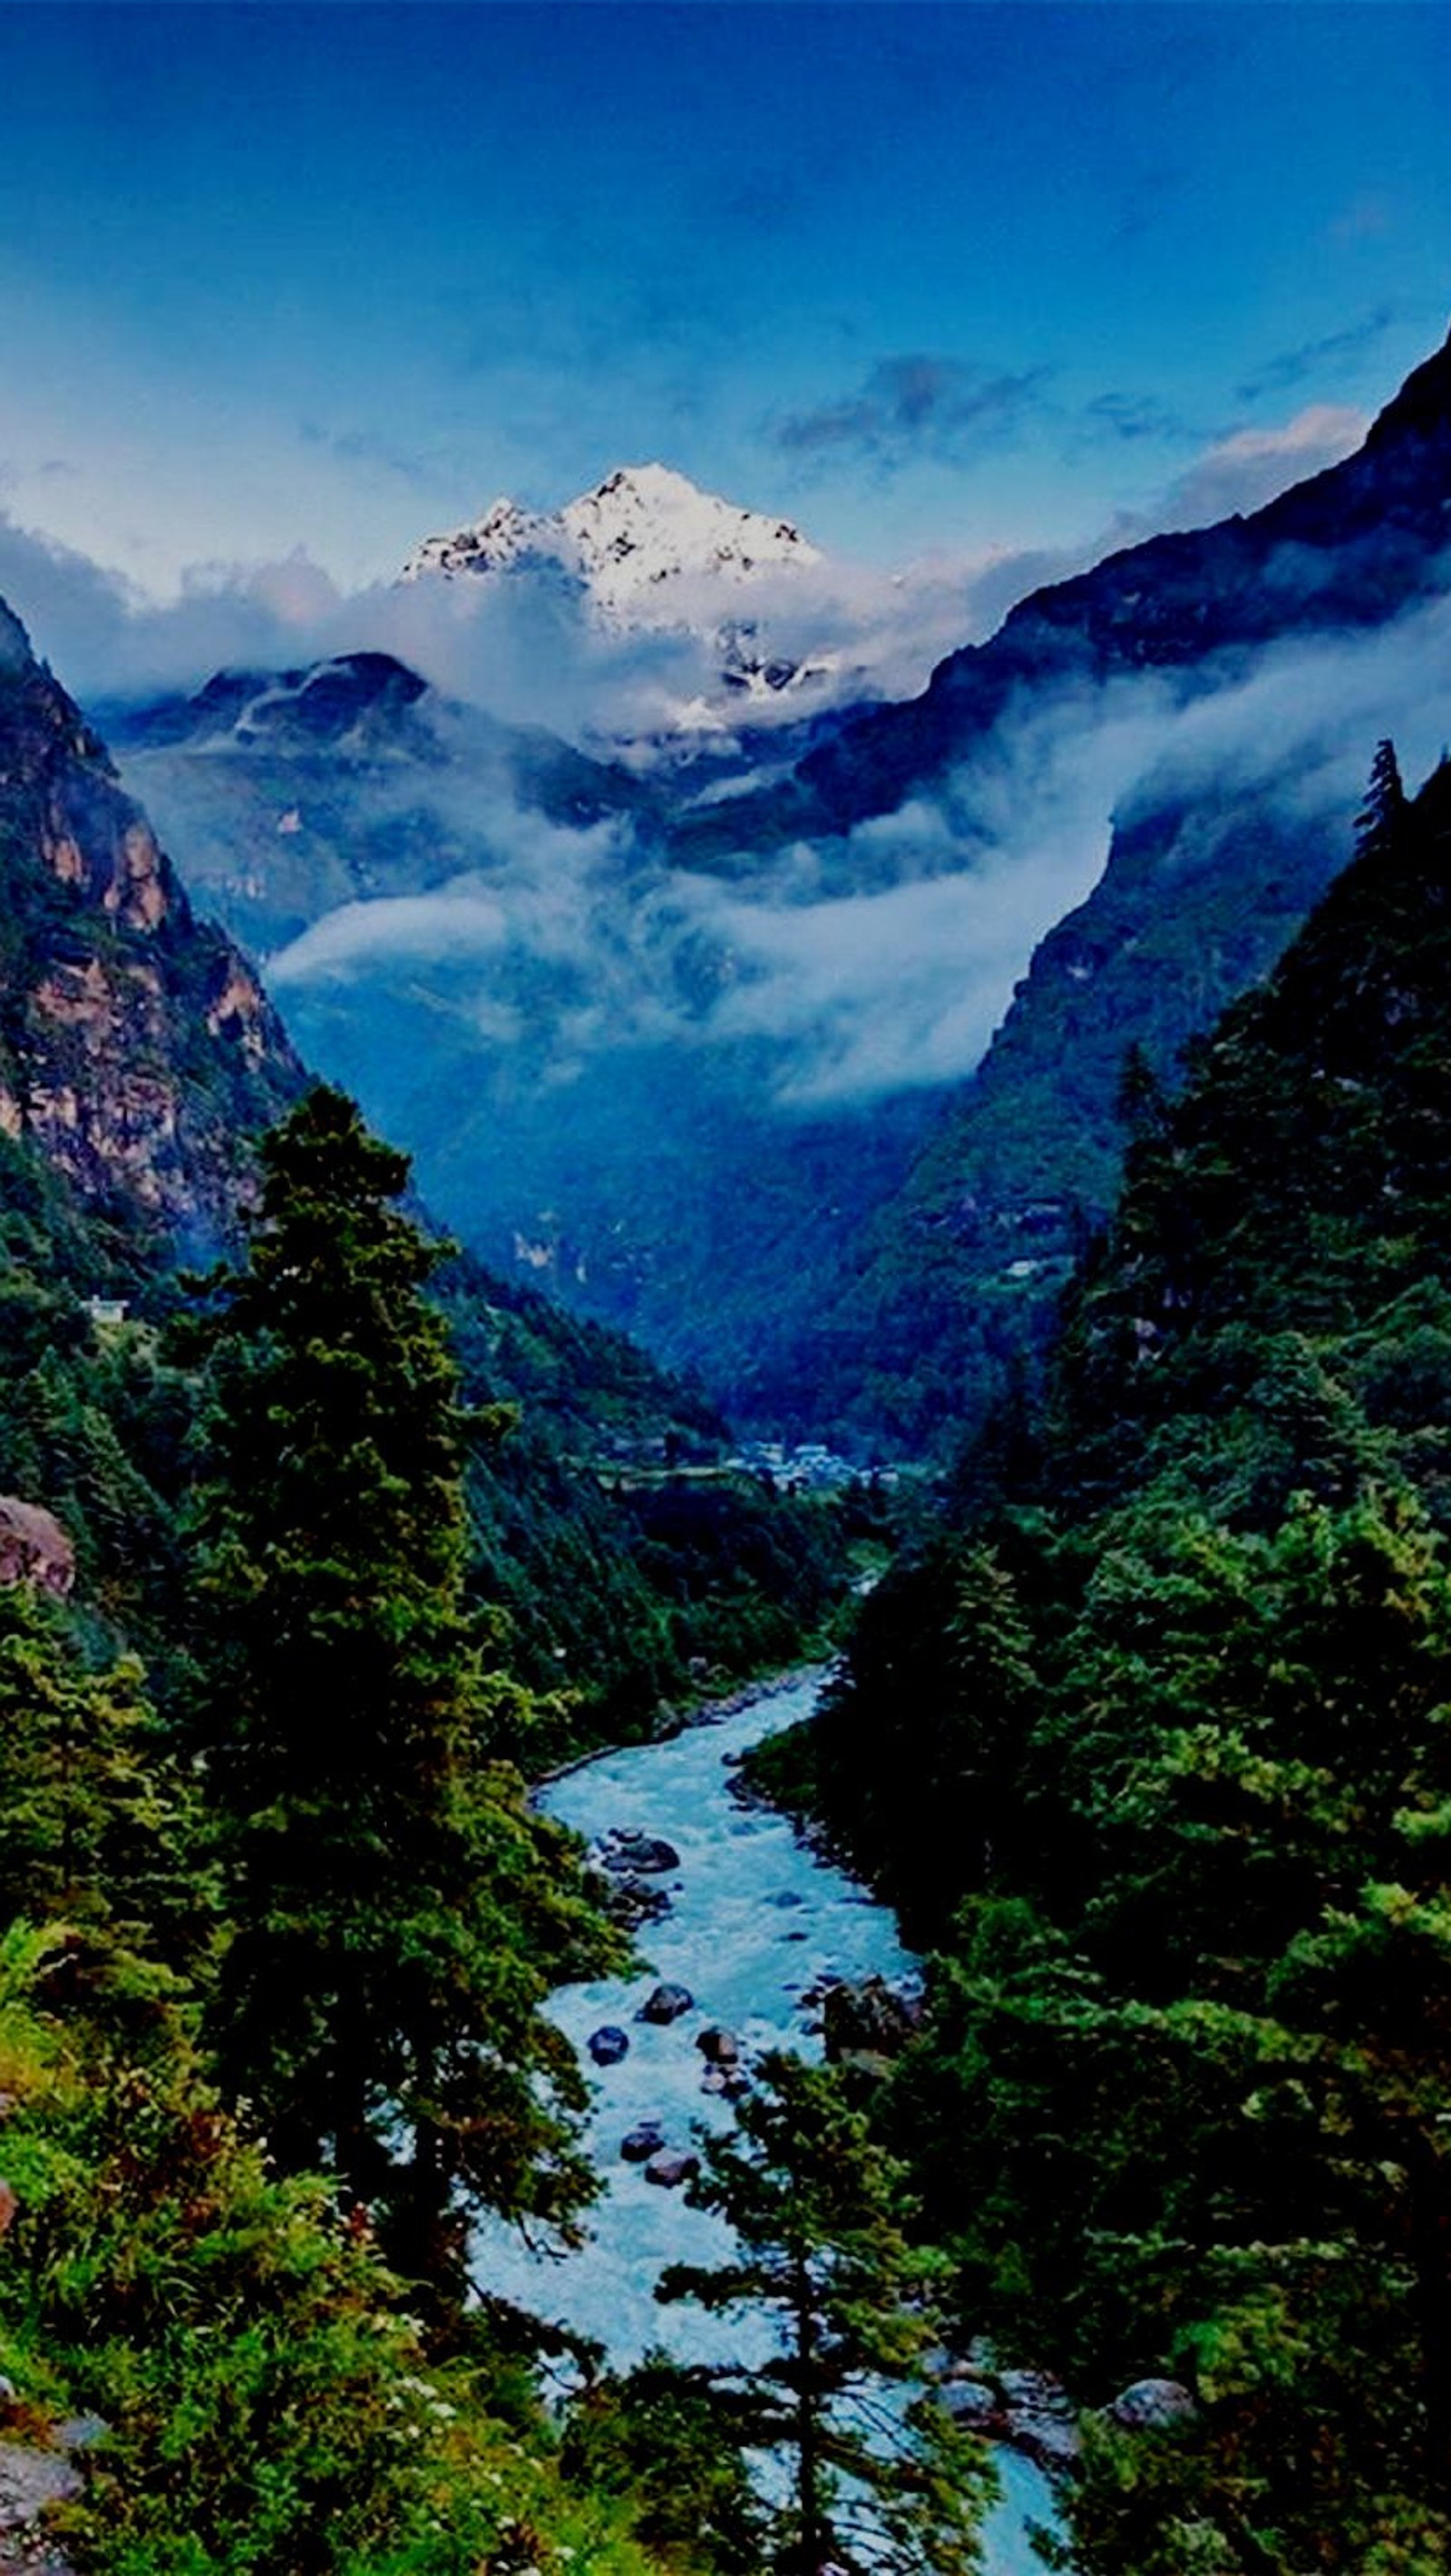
<point>832,973</point>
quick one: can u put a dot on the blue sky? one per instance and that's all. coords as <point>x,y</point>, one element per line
<point>926,277</point>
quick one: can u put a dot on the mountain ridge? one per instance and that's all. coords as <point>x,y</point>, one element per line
<point>1361,538</point>
<point>1208,875</point>
<point>625,1062</point>
<point>642,528</point>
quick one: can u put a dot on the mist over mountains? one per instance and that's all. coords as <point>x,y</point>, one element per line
<point>685,1038</point>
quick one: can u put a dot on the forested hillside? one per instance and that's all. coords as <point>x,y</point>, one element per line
<point>1155,1750</point>
<point>1241,649</point>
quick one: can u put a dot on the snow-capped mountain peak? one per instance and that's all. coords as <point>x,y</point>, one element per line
<point>634,546</point>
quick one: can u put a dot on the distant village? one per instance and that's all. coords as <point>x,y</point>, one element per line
<point>784,1467</point>
<point>810,1467</point>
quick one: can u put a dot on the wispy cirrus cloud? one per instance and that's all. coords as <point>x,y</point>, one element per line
<point>1133,417</point>
<point>1314,358</point>
<point>913,405</point>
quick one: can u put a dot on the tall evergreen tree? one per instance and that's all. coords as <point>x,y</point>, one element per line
<point>1180,2102</point>
<point>401,1914</point>
<point>1385,802</point>
<point>819,2211</point>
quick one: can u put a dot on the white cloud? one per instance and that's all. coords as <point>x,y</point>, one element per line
<point>1242,472</point>
<point>520,647</point>
<point>832,972</point>
<point>461,922</point>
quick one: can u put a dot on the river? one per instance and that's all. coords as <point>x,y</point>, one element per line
<point>756,1922</point>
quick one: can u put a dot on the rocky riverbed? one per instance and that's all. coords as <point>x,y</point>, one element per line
<point>754,1931</point>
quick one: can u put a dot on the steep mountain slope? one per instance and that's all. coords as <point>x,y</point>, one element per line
<point>1326,610</point>
<point>139,1060</point>
<point>1158,1754</point>
<point>472,927</point>
<point>295,792</point>
<point>953,1284</point>
<point>136,1045</point>
<point>1350,549</point>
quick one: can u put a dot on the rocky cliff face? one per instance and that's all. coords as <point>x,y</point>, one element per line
<point>136,1044</point>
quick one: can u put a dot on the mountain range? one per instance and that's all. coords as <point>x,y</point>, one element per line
<point>1287,644</point>
<point>140,1059</point>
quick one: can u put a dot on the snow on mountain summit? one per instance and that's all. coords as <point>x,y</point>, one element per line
<point>644,548</point>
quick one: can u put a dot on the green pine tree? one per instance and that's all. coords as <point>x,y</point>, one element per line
<point>401,1914</point>
<point>819,2210</point>
<point>1385,802</point>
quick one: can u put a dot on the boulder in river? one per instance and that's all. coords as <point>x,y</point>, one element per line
<point>666,2004</point>
<point>719,2046</point>
<point>608,2044</point>
<point>1152,2406</point>
<point>1040,2418</point>
<point>638,1854</point>
<point>634,1902</point>
<point>643,2141</point>
<point>973,2402</point>
<point>671,2167</point>
<point>1029,2409</point>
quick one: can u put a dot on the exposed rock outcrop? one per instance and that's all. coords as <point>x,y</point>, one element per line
<point>34,1548</point>
<point>872,2019</point>
<point>1153,2406</point>
<point>135,1042</point>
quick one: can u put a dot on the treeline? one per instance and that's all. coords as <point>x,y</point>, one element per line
<point>1155,1750</point>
